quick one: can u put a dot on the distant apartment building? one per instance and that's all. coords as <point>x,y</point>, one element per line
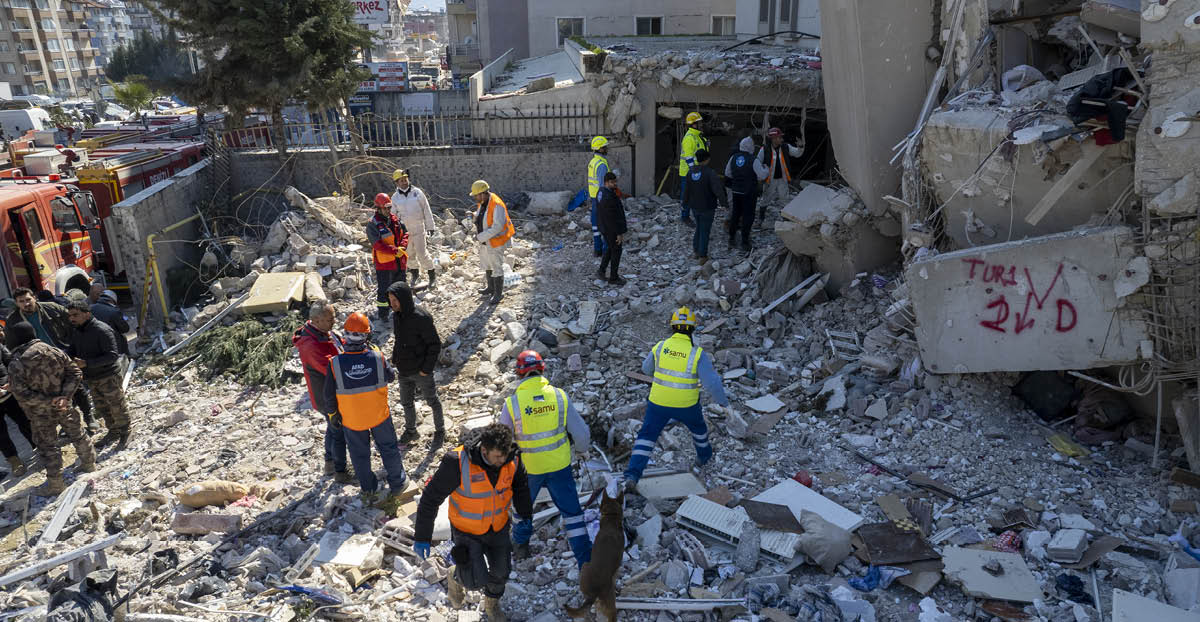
<point>46,47</point>
<point>112,24</point>
<point>141,19</point>
<point>763,17</point>
<point>482,30</point>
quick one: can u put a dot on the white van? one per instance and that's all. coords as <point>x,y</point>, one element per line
<point>15,123</point>
<point>36,100</point>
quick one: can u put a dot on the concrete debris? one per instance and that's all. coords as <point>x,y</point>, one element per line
<point>1067,545</point>
<point>1014,582</point>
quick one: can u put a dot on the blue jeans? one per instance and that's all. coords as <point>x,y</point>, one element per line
<point>359,444</point>
<point>566,498</point>
<point>335,444</point>
<point>657,418</point>
<point>703,229</point>
<point>683,213</point>
<point>598,243</point>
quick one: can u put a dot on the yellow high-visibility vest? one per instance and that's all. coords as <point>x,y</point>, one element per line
<point>594,181</point>
<point>676,372</point>
<point>539,415</point>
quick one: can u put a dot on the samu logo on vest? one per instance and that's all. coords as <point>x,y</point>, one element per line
<point>739,161</point>
<point>540,410</point>
<point>358,371</point>
<point>669,352</point>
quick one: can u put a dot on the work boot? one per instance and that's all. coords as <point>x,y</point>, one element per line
<point>123,438</point>
<point>53,487</point>
<point>617,280</point>
<point>344,477</point>
<point>329,470</point>
<point>497,289</point>
<point>439,436</point>
<point>113,436</point>
<point>631,486</point>
<point>600,273</point>
<point>432,276</point>
<point>416,276</point>
<point>87,466</point>
<point>17,466</point>
<point>521,550</point>
<point>410,435</point>
<point>454,590</point>
<point>491,607</point>
<point>487,291</point>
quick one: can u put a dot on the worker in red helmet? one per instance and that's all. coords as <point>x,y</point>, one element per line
<point>778,176</point>
<point>541,417</point>
<point>387,252</point>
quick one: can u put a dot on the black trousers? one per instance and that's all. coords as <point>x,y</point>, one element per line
<point>742,217</point>
<point>384,280</point>
<point>11,409</point>
<point>486,559</point>
<point>83,401</point>
<point>612,257</point>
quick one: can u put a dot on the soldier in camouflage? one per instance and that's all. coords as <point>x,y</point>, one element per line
<point>43,379</point>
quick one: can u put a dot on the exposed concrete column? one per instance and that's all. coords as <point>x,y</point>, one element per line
<point>645,176</point>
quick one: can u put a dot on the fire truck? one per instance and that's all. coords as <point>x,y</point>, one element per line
<point>47,224</point>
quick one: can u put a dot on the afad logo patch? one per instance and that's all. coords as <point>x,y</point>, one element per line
<point>739,161</point>
<point>358,371</point>
<point>696,176</point>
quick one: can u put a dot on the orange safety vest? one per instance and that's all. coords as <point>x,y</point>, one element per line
<point>782,162</point>
<point>509,231</point>
<point>362,388</point>
<point>475,506</point>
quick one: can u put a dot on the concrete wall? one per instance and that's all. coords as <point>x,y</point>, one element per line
<point>618,17</point>
<point>444,173</point>
<point>503,25</point>
<point>876,77</point>
<point>1006,188</point>
<point>1043,304</point>
<point>150,211</point>
<point>482,81</point>
<point>1174,83</point>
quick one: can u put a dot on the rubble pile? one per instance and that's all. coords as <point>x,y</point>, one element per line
<point>915,496</point>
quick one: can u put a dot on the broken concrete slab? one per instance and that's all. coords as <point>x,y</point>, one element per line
<point>1047,303</point>
<point>765,404</point>
<point>1067,546</point>
<point>817,204</point>
<point>586,323</point>
<point>674,486</point>
<point>274,292</point>
<point>1128,607</point>
<point>877,410</point>
<point>798,497</point>
<point>1015,582</point>
<point>1121,16</point>
<point>847,251</point>
<point>1183,587</point>
<point>342,549</point>
<point>1181,199</point>
<point>198,523</point>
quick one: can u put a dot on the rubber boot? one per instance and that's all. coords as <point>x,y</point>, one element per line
<point>416,276</point>
<point>329,470</point>
<point>123,440</point>
<point>53,487</point>
<point>17,466</point>
<point>498,289</point>
<point>487,291</point>
<point>455,591</point>
<point>432,276</point>
<point>491,607</point>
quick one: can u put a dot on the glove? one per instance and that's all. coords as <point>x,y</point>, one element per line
<point>336,418</point>
<point>421,549</point>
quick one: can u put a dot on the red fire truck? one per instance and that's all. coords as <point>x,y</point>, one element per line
<point>46,224</point>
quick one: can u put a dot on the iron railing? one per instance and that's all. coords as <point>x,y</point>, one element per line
<point>559,122</point>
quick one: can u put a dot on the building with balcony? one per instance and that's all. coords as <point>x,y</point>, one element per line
<point>141,19</point>
<point>113,27</point>
<point>46,47</point>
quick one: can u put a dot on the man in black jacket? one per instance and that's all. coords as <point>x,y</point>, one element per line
<point>482,547</point>
<point>93,347</point>
<point>703,193</point>
<point>610,215</point>
<point>106,310</point>
<point>414,355</point>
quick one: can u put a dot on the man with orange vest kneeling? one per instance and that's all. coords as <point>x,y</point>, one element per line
<point>356,391</point>
<point>481,478</point>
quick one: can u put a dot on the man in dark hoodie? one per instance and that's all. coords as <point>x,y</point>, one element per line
<point>703,193</point>
<point>414,355</point>
<point>479,520</point>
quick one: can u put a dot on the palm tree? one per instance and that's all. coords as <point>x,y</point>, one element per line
<point>133,94</point>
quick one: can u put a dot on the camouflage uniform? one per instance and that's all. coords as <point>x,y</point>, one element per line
<point>109,397</point>
<point>39,373</point>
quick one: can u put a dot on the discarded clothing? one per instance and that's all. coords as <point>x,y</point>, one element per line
<point>1103,87</point>
<point>1071,586</point>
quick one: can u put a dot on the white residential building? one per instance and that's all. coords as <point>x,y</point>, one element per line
<point>763,17</point>
<point>112,25</point>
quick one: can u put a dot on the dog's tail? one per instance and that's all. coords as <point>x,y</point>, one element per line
<point>582,610</point>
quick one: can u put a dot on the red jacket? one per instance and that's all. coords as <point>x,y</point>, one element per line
<point>385,255</point>
<point>316,348</point>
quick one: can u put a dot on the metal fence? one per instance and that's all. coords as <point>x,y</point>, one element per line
<point>554,122</point>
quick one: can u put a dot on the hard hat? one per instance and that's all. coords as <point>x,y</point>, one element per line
<point>773,132</point>
<point>599,142</point>
<point>357,323</point>
<point>529,361</point>
<point>382,199</point>
<point>694,117</point>
<point>398,173</point>
<point>683,317</point>
<point>480,187</point>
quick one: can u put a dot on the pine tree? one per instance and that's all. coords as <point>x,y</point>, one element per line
<point>261,55</point>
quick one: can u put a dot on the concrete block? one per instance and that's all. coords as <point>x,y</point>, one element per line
<point>196,523</point>
<point>1183,587</point>
<point>847,252</point>
<point>1043,304</point>
<point>1067,546</point>
<point>818,204</point>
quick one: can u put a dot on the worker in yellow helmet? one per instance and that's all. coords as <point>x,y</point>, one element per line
<point>597,168</point>
<point>493,229</point>
<point>693,141</point>
<point>679,368</point>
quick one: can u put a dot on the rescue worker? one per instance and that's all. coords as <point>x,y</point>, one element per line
<point>743,172</point>
<point>43,379</point>
<point>679,368</point>
<point>704,193</point>
<point>356,393</point>
<point>494,230</point>
<point>415,351</point>
<point>53,326</point>
<point>482,477</point>
<point>411,208</point>
<point>611,215</point>
<point>693,141</point>
<point>778,176</point>
<point>93,348</point>
<point>386,237</point>
<point>541,416</point>
<point>596,171</point>
<point>317,344</point>
<point>9,408</point>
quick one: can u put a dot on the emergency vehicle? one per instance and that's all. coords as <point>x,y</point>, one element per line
<point>46,223</point>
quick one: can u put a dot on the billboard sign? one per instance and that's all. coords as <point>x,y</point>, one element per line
<point>370,11</point>
<point>385,77</point>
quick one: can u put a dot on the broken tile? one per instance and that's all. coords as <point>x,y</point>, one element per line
<point>1016,583</point>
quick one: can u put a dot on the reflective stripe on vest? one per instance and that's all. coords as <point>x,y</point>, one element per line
<point>676,376</point>
<point>504,237</point>
<point>475,506</point>
<point>594,181</point>
<point>540,425</point>
<point>776,154</point>
<point>361,387</point>
<point>693,141</point>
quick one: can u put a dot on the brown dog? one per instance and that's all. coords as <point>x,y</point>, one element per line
<point>598,578</point>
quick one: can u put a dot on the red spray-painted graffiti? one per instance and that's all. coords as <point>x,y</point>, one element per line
<point>1006,275</point>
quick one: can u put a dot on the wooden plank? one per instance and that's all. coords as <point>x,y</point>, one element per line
<point>896,511</point>
<point>772,516</point>
<point>791,292</point>
<point>636,376</point>
<point>1066,183</point>
<point>1185,477</point>
<point>66,506</point>
<point>58,560</point>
